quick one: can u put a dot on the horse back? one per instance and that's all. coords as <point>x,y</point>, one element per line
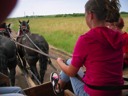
<point>36,39</point>
<point>7,47</point>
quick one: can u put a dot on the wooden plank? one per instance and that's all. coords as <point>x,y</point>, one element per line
<point>27,77</point>
<point>30,81</point>
<point>45,90</point>
<point>40,90</point>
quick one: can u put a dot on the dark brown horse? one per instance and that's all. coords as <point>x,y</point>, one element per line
<point>30,56</point>
<point>5,29</point>
<point>8,58</point>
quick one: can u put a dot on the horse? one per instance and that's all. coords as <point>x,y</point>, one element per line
<point>24,27</point>
<point>8,58</point>
<point>5,29</point>
<point>29,56</point>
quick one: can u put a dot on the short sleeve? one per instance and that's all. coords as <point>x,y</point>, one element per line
<point>80,52</point>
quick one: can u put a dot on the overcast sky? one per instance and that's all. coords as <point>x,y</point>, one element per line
<point>49,7</point>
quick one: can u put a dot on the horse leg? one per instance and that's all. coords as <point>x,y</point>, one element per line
<point>21,55</point>
<point>33,68</point>
<point>12,68</point>
<point>4,69</point>
<point>22,63</point>
<point>12,76</point>
<point>3,65</point>
<point>43,66</point>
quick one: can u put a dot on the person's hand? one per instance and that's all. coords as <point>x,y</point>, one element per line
<point>60,60</point>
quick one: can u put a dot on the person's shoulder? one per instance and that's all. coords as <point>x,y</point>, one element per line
<point>87,36</point>
<point>125,34</point>
<point>89,33</point>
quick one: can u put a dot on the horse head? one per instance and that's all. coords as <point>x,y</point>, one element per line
<point>5,29</point>
<point>24,27</point>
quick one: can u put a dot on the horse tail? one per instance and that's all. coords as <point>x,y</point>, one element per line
<point>43,60</point>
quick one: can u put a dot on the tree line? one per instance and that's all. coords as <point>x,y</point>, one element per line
<point>65,15</point>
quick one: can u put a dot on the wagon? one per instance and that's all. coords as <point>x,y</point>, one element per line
<point>46,89</point>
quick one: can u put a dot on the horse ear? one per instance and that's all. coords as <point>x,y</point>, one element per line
<point>9,24</point>
<point>28,21</point>
<point>19,21</point>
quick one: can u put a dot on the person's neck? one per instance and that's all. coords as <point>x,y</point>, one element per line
<point>120,30</point>
<point>98,24</point>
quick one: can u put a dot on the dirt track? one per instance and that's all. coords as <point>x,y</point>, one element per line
<point>20,79</point>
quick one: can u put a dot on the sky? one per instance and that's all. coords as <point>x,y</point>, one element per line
<point>52,7</point>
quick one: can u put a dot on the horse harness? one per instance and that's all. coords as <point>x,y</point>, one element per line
<point>2,31</point>
<point>23,39</point>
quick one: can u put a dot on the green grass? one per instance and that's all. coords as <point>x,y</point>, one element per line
<point>124,15</point>
<point>60,32</point>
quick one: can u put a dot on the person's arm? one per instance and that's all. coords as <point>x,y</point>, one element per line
<point>70,70</point>
<point>78,57</point>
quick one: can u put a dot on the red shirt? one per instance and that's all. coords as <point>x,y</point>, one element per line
<point>125,47</point>
<point>100,51</point>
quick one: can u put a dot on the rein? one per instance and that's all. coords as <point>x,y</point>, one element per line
<point>77,76</point>
<point>90,86</point>
<point>41,52</point>
<point>38,51</point>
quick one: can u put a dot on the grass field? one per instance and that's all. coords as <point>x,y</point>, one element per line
<point>61,32</point>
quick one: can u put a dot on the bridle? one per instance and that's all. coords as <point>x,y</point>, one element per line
<point>24,28</point>
<point>5,30</point>
<point>2,31</point>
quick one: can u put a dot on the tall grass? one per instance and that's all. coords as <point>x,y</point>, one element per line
<point>61,32</point>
